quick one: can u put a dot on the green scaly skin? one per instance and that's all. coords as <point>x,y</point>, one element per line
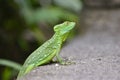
<point>45,53</point>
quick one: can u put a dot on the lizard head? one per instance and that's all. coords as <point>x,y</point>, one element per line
<point>64,29</point>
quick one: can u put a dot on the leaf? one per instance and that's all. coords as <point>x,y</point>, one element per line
<point>11,64</point>
<point>75,5</point>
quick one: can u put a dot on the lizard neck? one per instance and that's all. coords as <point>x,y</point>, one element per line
<point>61,37</point>
<point>58,38</point>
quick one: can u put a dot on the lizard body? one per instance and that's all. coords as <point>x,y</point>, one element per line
<point>46,52</point>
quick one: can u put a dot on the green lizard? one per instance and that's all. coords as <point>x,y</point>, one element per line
<point>45,53</point>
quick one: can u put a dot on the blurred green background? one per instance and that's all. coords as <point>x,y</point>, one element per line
<point>26,24</point>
